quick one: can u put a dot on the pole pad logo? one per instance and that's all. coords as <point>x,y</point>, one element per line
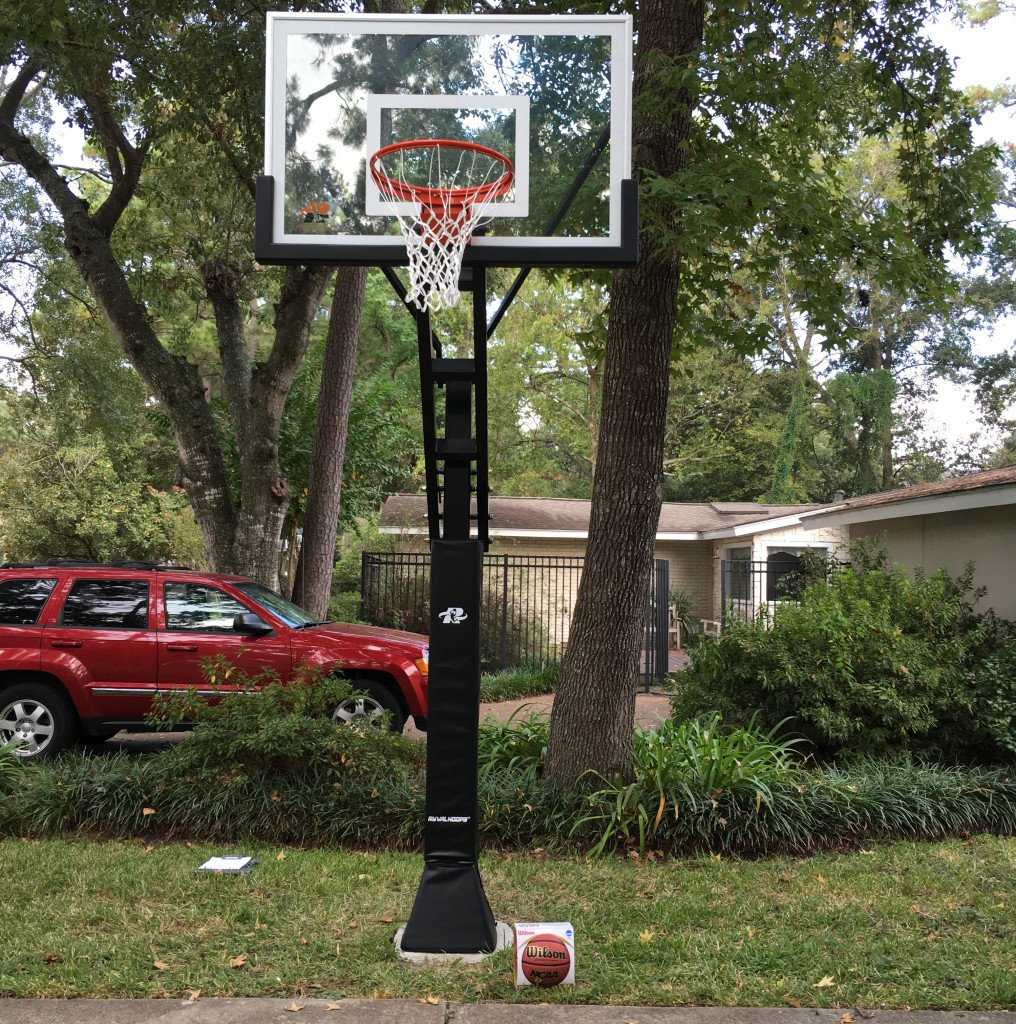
<point>453,616</point>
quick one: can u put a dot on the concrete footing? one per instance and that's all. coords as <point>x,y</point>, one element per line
<point>505,939</point>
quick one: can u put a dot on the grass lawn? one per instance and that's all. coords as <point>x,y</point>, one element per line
<point>910,925</point>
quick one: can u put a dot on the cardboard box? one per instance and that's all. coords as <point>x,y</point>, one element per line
<point>544,953</point>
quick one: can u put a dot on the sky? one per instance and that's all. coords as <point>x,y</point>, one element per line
<point>983,55</point>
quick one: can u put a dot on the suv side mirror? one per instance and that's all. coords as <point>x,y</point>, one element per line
<point>248,622</point>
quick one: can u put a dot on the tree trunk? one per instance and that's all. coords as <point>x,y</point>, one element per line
<point>324,488</point>
<point>256,394</point>
<point>594,706</point>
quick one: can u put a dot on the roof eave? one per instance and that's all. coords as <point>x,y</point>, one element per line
<point>932,504</point>
<point>756,526</point>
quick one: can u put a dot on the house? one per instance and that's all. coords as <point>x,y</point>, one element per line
<point>947,523</point>
<point>718,552</point>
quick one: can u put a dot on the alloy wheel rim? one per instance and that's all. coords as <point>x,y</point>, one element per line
<point>29,724</point>
<point>360,711</point>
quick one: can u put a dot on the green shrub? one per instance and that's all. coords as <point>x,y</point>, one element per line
<point>870,661</point>
<point>995,684</point>
<point>270,765</point>
<point>275,728</point>
<point>344,607</point>
<point>11,769</point>
<point>533,679</point>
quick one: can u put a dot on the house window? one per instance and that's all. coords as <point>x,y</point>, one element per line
<point>785,572</point>
<point>738,573</point>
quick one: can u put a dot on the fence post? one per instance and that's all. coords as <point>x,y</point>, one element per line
<point>363,586</point>
<point>649,646</point>
<point>662,618</point>
<point>723,591</point>
<point>504,611</point>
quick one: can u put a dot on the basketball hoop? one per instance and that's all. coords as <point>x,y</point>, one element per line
<point>461,179</point>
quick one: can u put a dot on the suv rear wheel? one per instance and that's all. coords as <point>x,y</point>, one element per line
<point>369,707</point>
<point>38,719</point>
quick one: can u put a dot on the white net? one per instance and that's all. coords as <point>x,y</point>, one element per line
<point>458,187</point>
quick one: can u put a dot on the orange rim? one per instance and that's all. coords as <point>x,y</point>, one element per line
<point>435,198</point>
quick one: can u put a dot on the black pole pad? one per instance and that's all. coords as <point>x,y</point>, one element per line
<point>451,913</point>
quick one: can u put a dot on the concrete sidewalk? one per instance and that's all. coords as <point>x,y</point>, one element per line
<point>411,1011</point>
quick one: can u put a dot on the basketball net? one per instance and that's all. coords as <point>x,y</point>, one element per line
<point>462,182</point>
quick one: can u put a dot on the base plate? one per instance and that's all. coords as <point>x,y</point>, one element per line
<point>505,939</point>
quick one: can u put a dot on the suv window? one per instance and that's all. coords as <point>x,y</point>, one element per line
<point>22,601</point>
<point>107,604</point>
<point>199,608</point>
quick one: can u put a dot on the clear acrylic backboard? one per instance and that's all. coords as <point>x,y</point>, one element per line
<point>553,93</point>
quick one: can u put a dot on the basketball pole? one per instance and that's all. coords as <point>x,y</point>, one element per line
<point>451,913</point>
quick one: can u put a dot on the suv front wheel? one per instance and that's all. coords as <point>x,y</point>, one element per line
<point>369,706</point>
<point>37,719</point>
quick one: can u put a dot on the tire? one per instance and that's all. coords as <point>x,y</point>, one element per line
<point>370,707</point>
<point>38,717</point>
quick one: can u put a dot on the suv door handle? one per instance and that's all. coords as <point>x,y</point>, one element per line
<point>65,643</point>
<point>181,647</point>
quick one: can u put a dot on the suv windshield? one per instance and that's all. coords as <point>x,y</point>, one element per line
<point>290,614</point>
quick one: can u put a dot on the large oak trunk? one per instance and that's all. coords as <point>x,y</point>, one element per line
<point>594,706</point>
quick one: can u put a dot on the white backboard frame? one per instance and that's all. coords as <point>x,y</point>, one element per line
<point>532,249</point>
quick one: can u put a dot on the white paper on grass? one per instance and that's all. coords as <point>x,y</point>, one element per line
<point>228,863</point>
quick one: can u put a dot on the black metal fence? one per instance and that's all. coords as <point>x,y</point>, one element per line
<point>526,606</point>
<point>657,647</point>
<point>748,588</point>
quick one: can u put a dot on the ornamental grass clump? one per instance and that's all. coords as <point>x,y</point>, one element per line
<point>516,747</point>
<point>532,679</point>
<point>703,786</point>
<point>11,769</point>
<point>688,767</point>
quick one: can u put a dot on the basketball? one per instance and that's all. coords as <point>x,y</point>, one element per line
<point>546,960</point>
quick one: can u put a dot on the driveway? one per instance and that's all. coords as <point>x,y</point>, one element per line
<point>650,708</point>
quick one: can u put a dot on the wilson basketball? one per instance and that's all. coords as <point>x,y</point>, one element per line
<point>545,960</point>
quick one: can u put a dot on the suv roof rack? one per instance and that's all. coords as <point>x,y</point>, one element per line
<point>85,563</point>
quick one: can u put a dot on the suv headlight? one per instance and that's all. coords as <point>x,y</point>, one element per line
<point>423,664</point>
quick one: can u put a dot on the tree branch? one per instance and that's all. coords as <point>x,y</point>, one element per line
<point>125,160</point>
<point>224,281</point>
<point>16,93</point>
<point>298,303</point>
<point>17,148</point>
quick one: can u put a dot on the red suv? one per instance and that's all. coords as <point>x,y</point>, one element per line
<point>84,647</point>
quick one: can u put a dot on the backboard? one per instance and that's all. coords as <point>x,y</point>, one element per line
<point>553,93</point>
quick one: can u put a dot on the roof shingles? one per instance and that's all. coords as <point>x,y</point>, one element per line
<point>571,515</point>
<point>974,481</point>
